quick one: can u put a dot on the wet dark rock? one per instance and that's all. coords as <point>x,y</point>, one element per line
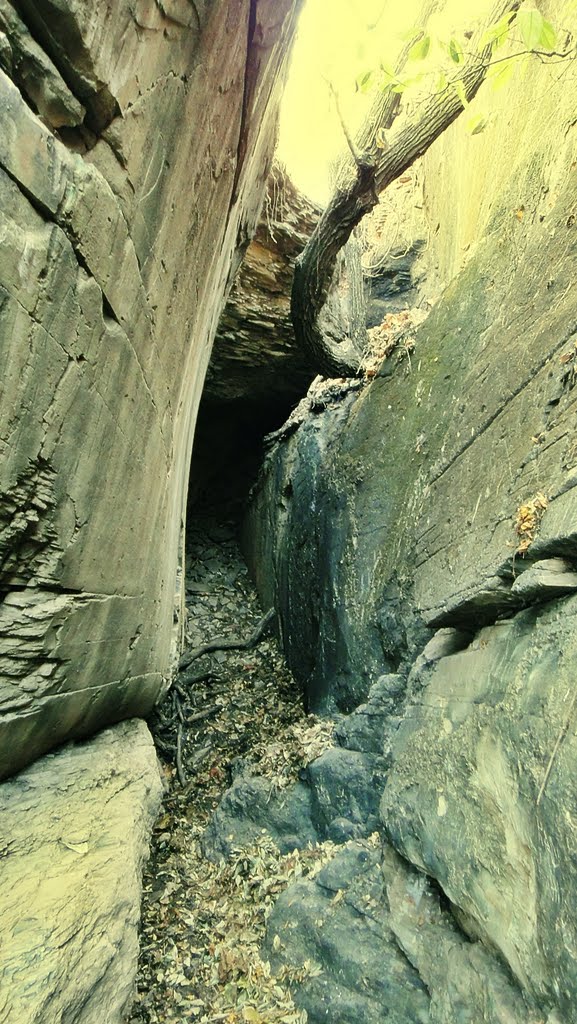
<point>370,727</point>
<point>251,807</point>
<point>345,940</point>
<point>337,799</point>
<point>370,940</point>
<point>345,786</point>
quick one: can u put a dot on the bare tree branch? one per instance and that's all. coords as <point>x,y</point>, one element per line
<point>374,171</point>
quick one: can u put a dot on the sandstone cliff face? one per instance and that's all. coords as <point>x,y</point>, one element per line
<point>135,142</point>
<point>439,505</point>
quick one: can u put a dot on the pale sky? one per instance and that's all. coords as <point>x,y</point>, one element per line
<point>335,42</point>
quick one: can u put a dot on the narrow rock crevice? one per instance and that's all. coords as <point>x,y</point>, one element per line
<point>238,715</point>
<point>58,34</point>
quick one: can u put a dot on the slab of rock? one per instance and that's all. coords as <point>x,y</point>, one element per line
<point>127,196</point>
<point>74,832</point>
<point>334,931</point>
<point>368,940</point>
<point>481,794</point>
<point>546,579</point>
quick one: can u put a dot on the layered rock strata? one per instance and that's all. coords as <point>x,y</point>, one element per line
<point>135,143</point>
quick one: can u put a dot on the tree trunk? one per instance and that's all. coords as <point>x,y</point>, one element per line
<point>374,171</point>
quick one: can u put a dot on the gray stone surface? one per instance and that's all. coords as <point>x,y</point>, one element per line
<point>395,513</point>
<point>414,486</point>
<point>121,231</point>
<point>369,941</point>
<point>74,831</point>
<point>337,798</point>
<point>546,579</point>
<point>481,795</point>
<point>253,806</point>
<point>345,787</point>
<point>371,726</point>
<point>338,924</point>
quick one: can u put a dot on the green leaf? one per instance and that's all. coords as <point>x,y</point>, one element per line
<point>420,49</point>
<point>388,71</point>
<point>530,22</point>
<point>548,38</point>
<point>501,74</point>
<point>455,52</point>
<point>460,90</point>
<point>475,125</point>
<point>497,33</point>
<point>363,81</point>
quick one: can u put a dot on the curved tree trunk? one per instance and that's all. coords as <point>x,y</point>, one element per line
<point>374,171</point>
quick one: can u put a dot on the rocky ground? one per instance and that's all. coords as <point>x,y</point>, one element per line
<point>203,923</point>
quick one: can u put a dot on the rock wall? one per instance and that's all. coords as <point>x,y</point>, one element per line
<point>135,143</point>
<point>426,525</point>
<point>255,359</point>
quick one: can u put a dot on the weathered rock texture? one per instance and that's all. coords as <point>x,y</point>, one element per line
<point>255,359</point>
<point>74,832</point>
<point>382,946</point>
<point>415,483</point>
<point>135,142</point>
<point>481,795</point>
<point>438,507</point>
<point>257,373</point>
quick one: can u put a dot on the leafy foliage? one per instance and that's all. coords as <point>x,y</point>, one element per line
<point>537,33</point>
<point>529,28</point>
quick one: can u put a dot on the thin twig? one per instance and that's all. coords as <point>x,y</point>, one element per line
<point>346,133</point>
<point>222,644</point>
<point>199,715</point>
<point>562,734</point>
<point>179,768</point>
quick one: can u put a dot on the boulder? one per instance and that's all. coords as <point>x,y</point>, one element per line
<point>368,939</point>
<point>481,794</point>
<point>74,833</point>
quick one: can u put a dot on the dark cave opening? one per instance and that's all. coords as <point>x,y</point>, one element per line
<point>228,452</point>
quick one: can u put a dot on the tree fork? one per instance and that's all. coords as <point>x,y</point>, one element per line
<point>315,267</point>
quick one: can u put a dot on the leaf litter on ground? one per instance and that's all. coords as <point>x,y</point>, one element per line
<point>202,923</point>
